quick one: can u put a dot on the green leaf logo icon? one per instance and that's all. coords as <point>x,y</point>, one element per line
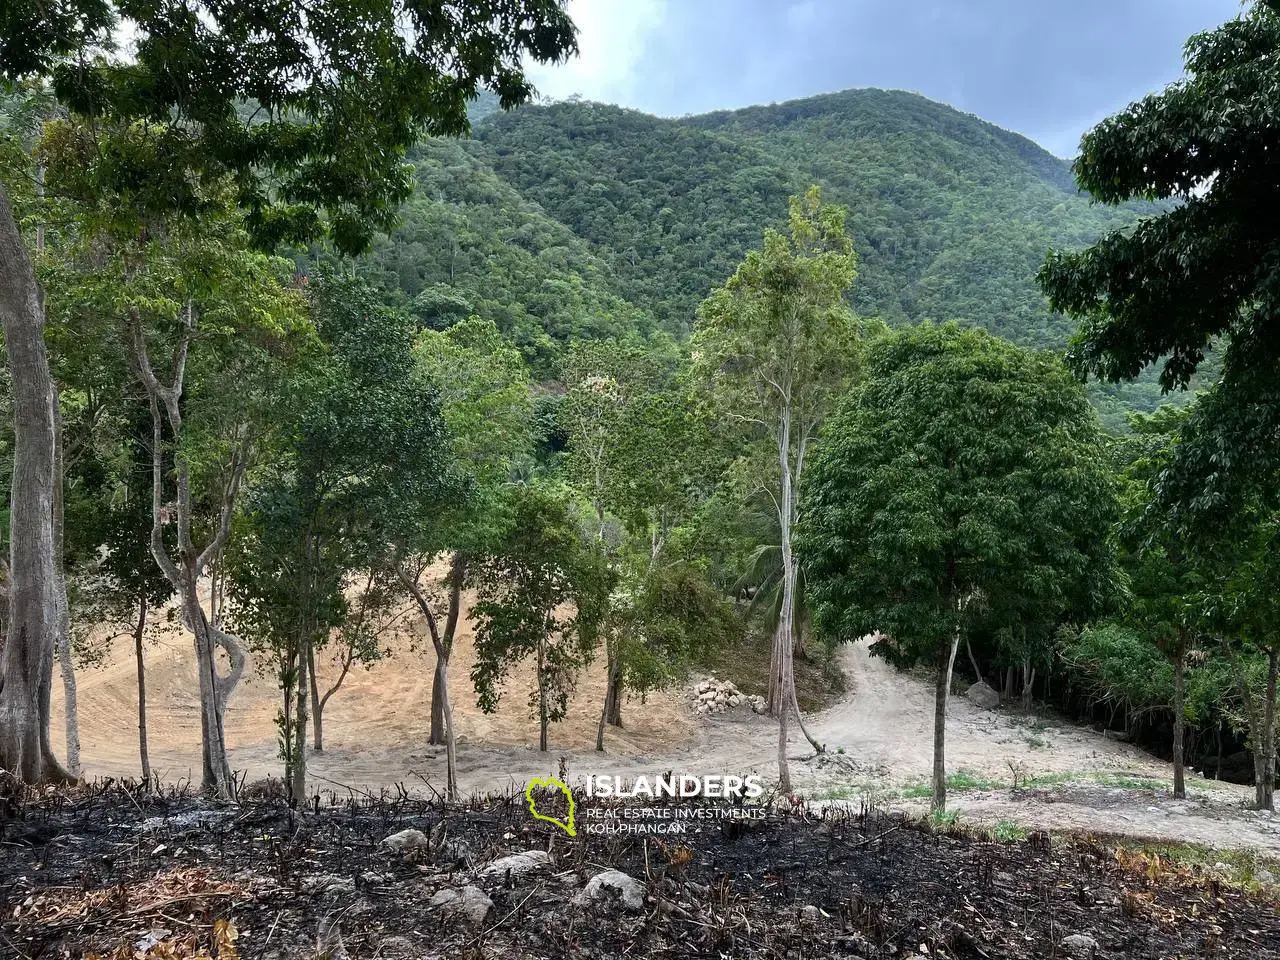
<point>538,782</point>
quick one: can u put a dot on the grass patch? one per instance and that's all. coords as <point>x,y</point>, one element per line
<point>1007,831</point>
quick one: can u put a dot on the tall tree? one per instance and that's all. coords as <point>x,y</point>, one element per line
<point>778,346</point>
<point>304,145</point>
<point>541,594</point>
<point>965,473</point>
<point>1200,272</point>
<point>487,405</point>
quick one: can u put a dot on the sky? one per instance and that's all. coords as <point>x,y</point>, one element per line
<point>1048,69</point>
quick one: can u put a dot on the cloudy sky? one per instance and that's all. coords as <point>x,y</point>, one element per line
<point>1045,68</point>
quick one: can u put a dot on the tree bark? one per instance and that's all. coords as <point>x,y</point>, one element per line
<point>138,635</point>
<point>542,702</point>
<point>457,576</point>
<point>442,666</point>
<point>317,704</point>
<point>1179,720</point>
<point>302,690</point>
<point>26,665</point>
<point>946,662</point>
<point>1265,759</point>
<point>973,661</point>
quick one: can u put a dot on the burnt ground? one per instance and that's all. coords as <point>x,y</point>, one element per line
<point>119,872</point>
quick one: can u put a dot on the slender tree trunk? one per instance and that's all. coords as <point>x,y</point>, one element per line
<point>26,665</point>
<point>784,768</point>
<point>457,576</point>
<point>973,661</point>
<point>138,635</point>
<point>1265,761</point>
<point>71,706</point>
<point>298,771</point>
<point>542,702</point>
<point>1179,720</point>
<point>946,662</point>
<point>442,667</point>
<point>62,637</point>
<point>611,712</point>
<point>317,704</point>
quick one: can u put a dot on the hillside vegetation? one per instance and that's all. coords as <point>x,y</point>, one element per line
<point>584,219</point>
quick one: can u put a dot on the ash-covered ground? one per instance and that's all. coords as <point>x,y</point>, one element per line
<point>119,872</point>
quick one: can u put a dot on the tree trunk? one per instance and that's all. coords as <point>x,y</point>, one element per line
<point>26,665</point>
<point>973,661</point>
<point>302,690</point>
<point>946,661</point>
<point>71,707</point>
<point>784,768</point>
<point>457,576</point>
<point>542,702</point>
<point>1179,720</point>
<point>442,666</point>
<point>317,703</point>
<point>142,689</point>
<point>1028,683</point>
<point>1265,761</point>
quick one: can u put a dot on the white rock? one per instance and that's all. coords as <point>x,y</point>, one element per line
<point>471,903</point>
<point>1079,945</point>
<point>520,864</point>
<point>612,887</point>
<point>407,840</point>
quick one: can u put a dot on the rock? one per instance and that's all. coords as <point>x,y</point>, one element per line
<point>982,695</point>
<point>810,912</point>
<point>407,840</point>
<point>471,903</point>
<point>519,864</point>
<point>610,888</point>
<point>326,885</point>
<point>1079,945</point>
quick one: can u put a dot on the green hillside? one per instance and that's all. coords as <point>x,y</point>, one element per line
<point>584,219</point>
<point>951,216</point>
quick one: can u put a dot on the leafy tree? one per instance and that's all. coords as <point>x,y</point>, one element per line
<point>778,347</point>
<point>964,476</point>
<point>317,514</point>
<point>487,405</point>
<point>1201,273</point>
<point>541,594</point>
<point>171,112</point>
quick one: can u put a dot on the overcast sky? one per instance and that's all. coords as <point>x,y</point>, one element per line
<point>1048,69</point>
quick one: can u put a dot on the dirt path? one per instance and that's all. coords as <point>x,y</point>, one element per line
<point>878,737</point>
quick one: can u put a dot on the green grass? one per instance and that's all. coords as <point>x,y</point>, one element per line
<point>1008,831</point>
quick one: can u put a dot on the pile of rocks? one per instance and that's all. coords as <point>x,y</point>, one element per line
<point>717,696</point>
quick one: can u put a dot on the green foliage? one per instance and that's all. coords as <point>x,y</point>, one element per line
<point>242,91</point>
<point>541,593</point>
<point>950,215</point>
<point>1202,272</point>
<point>963,485</point>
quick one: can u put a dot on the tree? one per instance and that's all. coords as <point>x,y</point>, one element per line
<point>965,474</point>
<point>304,145</point>
<point>487,404</point>
<point>778,347</point>
<point>1199,272</point>
<point>542,594</point>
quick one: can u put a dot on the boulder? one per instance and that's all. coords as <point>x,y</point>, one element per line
<point>407,840</point>
<point>982,695</point>
<point>470,903</point>
<point>1079,945</point>
<point>612,888</point>
<point>519,865</point>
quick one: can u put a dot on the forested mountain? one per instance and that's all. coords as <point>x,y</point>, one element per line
<point>584,219</point>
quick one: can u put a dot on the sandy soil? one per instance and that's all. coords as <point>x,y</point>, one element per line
<point>878,737</point>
